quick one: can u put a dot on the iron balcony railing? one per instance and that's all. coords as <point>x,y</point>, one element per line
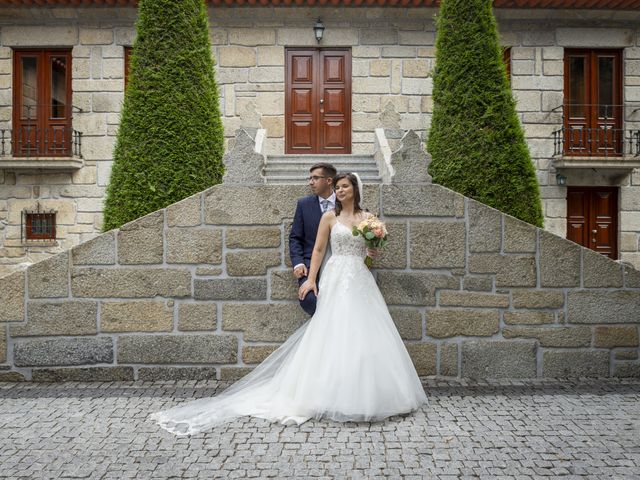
<point>595,130</point>
<point>31,141</point>
<point>603,141</point>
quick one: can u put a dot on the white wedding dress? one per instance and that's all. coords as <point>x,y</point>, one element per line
<point>346,363</point>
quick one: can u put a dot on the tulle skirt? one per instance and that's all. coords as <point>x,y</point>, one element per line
<point>346,363</point>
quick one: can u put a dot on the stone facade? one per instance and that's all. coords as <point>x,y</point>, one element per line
<point>393,57</point>
<point>473,292</point>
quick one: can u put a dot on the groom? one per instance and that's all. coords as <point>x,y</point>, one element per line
<point>305,225</point>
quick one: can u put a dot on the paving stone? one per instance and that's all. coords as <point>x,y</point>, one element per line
<point>490,429</point>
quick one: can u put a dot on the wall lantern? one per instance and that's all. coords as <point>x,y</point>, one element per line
<point>318,29</point>
<point>561,180</point>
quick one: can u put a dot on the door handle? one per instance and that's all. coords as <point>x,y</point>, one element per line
<point>322,100</point>
<point>594,231</point>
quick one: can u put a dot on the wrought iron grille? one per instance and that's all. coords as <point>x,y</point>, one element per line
<point>38,225</point>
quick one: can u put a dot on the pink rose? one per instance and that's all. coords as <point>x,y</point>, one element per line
<point>378,232</point>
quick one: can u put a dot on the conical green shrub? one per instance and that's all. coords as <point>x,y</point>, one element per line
<point>476,141</point>
<point>170,142</point>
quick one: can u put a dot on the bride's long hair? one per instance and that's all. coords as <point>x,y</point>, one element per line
<point>356,192</point>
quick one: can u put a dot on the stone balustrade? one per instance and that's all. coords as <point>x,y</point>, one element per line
<point>203,289</point>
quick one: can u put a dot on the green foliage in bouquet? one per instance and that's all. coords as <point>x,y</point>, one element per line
<point>170,141</point>
<point>374,233</point>
<point>476,141</point>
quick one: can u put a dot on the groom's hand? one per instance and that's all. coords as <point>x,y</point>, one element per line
<point>300,271</point>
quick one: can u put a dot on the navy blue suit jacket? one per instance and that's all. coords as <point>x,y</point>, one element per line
<point>304,230</point>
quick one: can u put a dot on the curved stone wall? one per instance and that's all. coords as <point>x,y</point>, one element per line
<point>203,289</point>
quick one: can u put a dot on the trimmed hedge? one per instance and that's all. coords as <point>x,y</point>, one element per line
<point>476,141</point>
<point>171,141</point>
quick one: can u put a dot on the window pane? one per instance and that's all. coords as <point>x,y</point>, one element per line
<point>58,87</point>
<point>605,86</point>
<point>577,87</point>
<point>29,88</point>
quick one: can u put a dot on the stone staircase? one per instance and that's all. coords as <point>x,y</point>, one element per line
<point>282,169</point>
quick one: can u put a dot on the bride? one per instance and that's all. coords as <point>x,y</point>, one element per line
<point>346,363</point>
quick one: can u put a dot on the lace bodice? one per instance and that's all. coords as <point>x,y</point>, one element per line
<point>344,243</point>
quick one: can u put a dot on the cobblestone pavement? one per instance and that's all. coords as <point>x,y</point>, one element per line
<point>507,429</point>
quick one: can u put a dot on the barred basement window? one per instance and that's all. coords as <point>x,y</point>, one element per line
<point>39,225</point>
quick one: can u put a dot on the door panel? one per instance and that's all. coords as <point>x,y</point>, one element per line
<point>333,102</point>
<point>318,101</point>
<point>302,135</point>
<point>300,102</point>
<point>592,214</point>
<point>603,221</point>
<point>577,216</point>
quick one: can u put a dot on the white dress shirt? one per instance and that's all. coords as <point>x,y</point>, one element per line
<point>331,206</point>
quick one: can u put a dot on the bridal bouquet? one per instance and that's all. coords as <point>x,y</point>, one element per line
<point>374,233</point>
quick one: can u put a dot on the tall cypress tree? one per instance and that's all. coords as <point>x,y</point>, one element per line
<point>170,140</point>
<point>476,141</point>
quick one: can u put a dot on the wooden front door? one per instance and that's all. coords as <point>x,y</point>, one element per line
<point>592,218</point>
<point>318,101</point>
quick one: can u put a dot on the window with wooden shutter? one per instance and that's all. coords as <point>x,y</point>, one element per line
<point>593,102</point>
<point>42,103</point>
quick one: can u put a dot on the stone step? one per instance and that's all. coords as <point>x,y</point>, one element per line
<point>274,170</point>
<point>311,159</point>
<point>305,166</point>
<point>295,168</point>
<point>298,179</point>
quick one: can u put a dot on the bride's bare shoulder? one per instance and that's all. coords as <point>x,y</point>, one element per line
<point>329,217</point>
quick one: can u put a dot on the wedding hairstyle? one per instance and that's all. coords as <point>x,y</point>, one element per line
<point>328,170</point>
<point>356,192</point>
